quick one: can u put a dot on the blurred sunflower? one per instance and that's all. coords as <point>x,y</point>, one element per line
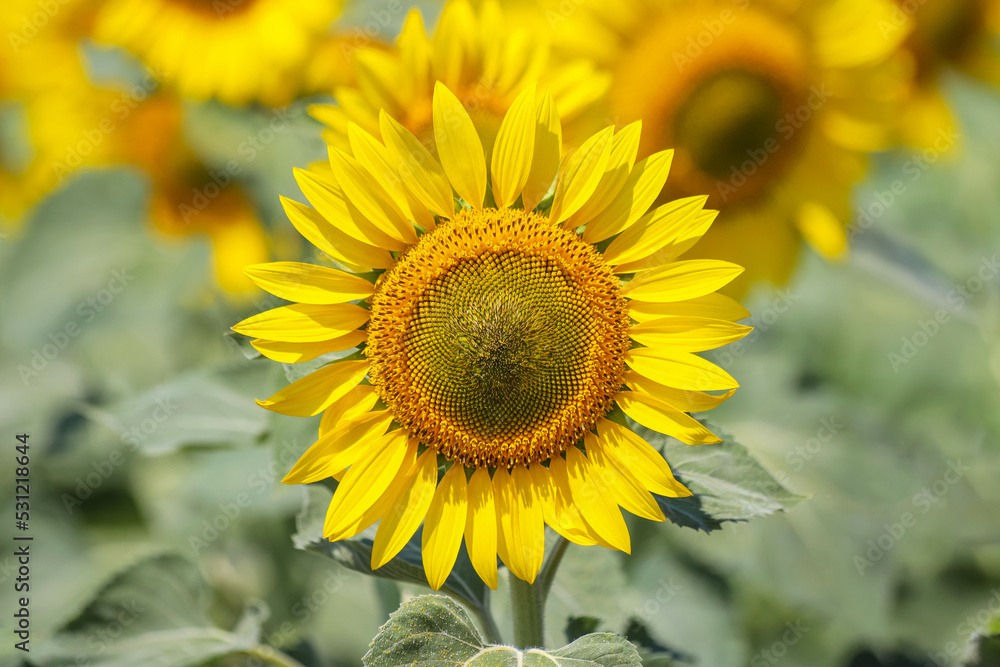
<point>187,197</point>
<point>770,105</point>
<point>947,34</point>
<point>477,54</point>
<point>238,51</point>
<point>499,353</point>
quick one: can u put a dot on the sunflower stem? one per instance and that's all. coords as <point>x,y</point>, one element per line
<point>488,624</point>
<point>528,600</point>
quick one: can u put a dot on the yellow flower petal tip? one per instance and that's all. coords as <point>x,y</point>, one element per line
<point>543,306</point>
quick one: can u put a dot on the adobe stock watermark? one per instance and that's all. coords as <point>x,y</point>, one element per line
<point>376,21</point>
<point>786,128</point>
<point>954,651</point>
<point>102,639</point>
<point>958,297</point>
<point>76,154</point>
<point>797,459</point>
<point>86,311</point>
<point>761,322</point>
<point>230,512</point>
<point>703,39</point>
<point>131,437</point>
<point>667,590</point>
<point>912,171</point>
<point>923,500</point>
<point>779,649</point>
<point>35,22</point>
<point>248,149</point>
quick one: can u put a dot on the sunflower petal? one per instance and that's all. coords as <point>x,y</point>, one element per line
<point>594,502</point>
<point>681,281</point>
<point>520,517</point>
<point>684,400</point>
<point>317,391</point>
<point>624,149</point>
<point>444,526</point>
<point>422,175</point>
<point>664,418</point>
<point>308,283</point>
<point>581,175</point>
<point>625,489</point>
<point>714,305</point>
<point>688,334</point>
<point>548,153</point>
<point>340,246</point>
<point>637,455</point>
<point>481,527</point>
<point>568,521</point>
<point>459,147</point>
<point>367,480</point>
<point>354,404</point>
<point>408,509</point>
<point>694,228</point>
<point>514,149</point>
<point>371,199</point>
<point>823,231</point>
<point>304,323</point>
<point>350,441</point>
<point>653,230</point>
<point>679,369</point>
<point>644,184</point>
<point>295,353</point>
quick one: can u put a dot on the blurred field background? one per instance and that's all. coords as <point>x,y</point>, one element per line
<point>116,358</point>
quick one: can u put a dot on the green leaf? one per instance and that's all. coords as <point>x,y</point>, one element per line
<point>434,631</point>
<point>984,646</point>
<point>152,613</point>
<point>728,483</point>
<point>356,553</point>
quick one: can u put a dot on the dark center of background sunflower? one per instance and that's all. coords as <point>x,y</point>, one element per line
<point>945,30</point>
<point>500,344</point>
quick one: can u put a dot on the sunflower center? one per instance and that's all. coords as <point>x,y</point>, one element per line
<point>726,90</point>
<point>499,338</point>
<point>945,30</point>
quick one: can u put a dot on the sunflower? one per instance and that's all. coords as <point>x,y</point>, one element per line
<point>238,51</point>
<point>961,35</point>
<point>502,342</point>
<point>480,57</point>
<point>770,105</point>
<point>187,197</point>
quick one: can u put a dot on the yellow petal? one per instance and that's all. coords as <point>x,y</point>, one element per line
<point>454,43</point>
<point>444,526</point>
<point>381,506</point>
<point>679,369</point>
<point>568,521</point>
<point>684,400</point>
<point>414,55</point>
<point>595,504</point>
<point>374,157</point>
<point>459,147</point>
<point>481,527</point>
<point>624,149</point>
<point>356,403</point>
<point>653,230</point>
<point>693,229</point>
<point>514,149</point>
<point>326,195</point>
<point>304,323</point>
<point>294,353</point>
<point>718,306</point>
<point>340,246</point>
<point>407,511</point>
<point>367,480</point>
<point>688,334</point>
<point>623,486</point>
<point>422,175</point>
<point>580,177</point>
<point>308,283</point>
<point>664,418</point>
<point>519,514</point>
<point>680,281</point>
<point>637,455</point>
<point>350,441</point>
<point>317,391</point>
<point>548,153</point>
<point>370,198</point>
<point>823,231</point>
<point>644,184</point>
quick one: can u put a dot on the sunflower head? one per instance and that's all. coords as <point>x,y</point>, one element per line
<point>516,312</point>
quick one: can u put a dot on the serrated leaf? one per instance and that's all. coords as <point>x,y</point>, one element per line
<point>434,631</point>
<point>728,483</point>
<point>356,553</point>
<point>151,613</point>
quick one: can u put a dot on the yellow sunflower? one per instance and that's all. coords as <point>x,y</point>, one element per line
<point>187,197</point>
<point>770,105</point>
<point>238,51</point>
<point>480,57</point>
<point>947,34</point>
<point>500,337</point>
